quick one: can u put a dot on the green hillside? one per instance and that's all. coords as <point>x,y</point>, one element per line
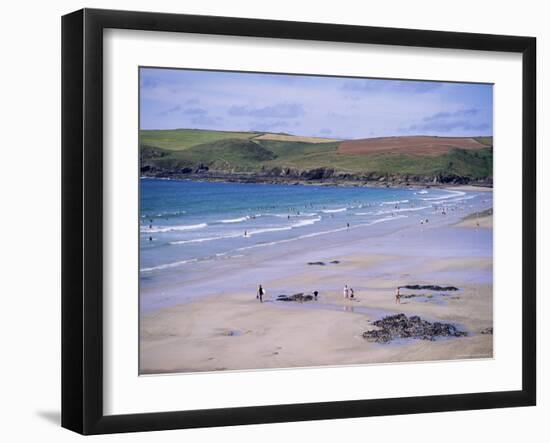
<point>178,139</point>
<point>174,151</point>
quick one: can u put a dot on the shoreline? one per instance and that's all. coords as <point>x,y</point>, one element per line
<point>245,179</point>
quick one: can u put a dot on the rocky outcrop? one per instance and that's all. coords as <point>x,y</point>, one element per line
<point>430,287</point>
<point>487,331</point>
<point>153,164</point>
<point>301,297</point>
<point>400,326</point>
<point>322,263</point>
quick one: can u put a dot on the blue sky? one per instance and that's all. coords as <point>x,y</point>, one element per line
<point>312,106</point>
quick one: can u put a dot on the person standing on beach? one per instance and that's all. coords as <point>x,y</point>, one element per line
<point>346,291</point>
<point>398,295</point>
<point>351,293</point>
<point>260,294</point>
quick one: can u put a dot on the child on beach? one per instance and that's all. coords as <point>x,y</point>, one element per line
<point>346,291</point>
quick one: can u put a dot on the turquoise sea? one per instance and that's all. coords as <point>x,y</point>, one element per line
<point>184,222</point>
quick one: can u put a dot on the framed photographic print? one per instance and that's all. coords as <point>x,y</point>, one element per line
<point>269,221</point>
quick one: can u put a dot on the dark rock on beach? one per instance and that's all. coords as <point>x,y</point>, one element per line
<point>319,263</point>
<point>430,287</point>
<point>295,297</point>
<point>487,331</point>
<point>400,326</point>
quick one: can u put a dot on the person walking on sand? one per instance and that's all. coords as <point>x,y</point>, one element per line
<point>351,293</point>
<point>346,291</point>
<point>315,294</point>
<point>398,295</point>
<point>260,294</point>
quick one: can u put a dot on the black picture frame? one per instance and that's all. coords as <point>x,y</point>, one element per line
<point>82,219</point>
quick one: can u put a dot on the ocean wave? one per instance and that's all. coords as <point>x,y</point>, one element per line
<point>319,233</point>
<point>203,239</point>
<point>301,214</point>
<point>175,228</point>
<point>402,210</point>
<point>264,230</point>
<point>168,265</point>
<point>249,233</point>
<point>394,202</point>
<point>164,214</point>
<point>422,192</point>
<point>456,200</point>
<point>451,194</point>
<point>306,222</point>
<point>306,214</point>
<point>330,211</point>
<point>235,220</point>
<point>299,224</point>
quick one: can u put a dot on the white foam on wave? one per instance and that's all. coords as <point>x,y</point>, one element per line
<point>168,265</point>
<point>164,214</point>
<point>306,214</point>
<point>445,197</point>
<point>292,215</point>
<point>309,222</point>
<point>250,233</point>
<point>402,210</point>
<point>330,211</point>
<point>396,202</point>
<point>235,220</point>
<point>316,234</point>
<point>264,230</point>
<point>175,228</point>
<point>422,192</point>
<point>456,200</point>
<point>203,239</point>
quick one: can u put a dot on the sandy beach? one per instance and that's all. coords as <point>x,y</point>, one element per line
<point>229,329</point>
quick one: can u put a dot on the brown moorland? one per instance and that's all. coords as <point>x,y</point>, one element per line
<point>295,138</point>
<point>413,145</point>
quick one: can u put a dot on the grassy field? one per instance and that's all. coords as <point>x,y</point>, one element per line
<point>252,152</point>
<point>178,139</point>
